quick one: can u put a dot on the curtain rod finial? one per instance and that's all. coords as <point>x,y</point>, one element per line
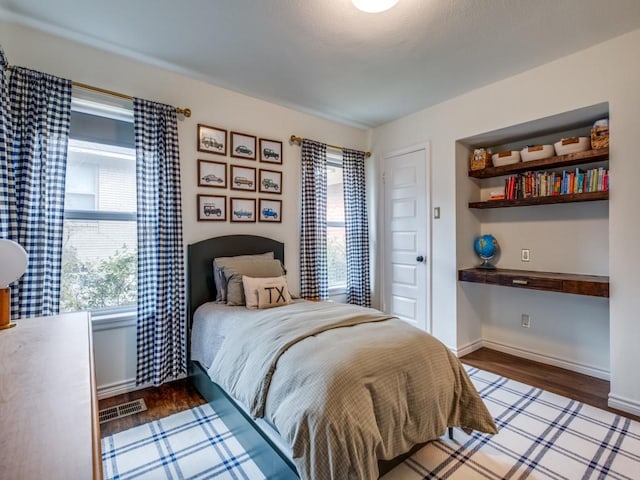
<point>294,139</point>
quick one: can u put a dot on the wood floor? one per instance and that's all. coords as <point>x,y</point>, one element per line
<point>181,395</point>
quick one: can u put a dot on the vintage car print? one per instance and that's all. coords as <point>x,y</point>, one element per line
<point>244,150</point>
<point>242,213</point>
<point>269,212</point>
<point>212,178</point>
<point>267,183</point>
<point>211,142</point>
<point>211,209</point>
<point>242,181</point>
<point>270,153</point>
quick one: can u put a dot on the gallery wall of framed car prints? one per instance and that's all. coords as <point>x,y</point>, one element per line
<point>240,171</point>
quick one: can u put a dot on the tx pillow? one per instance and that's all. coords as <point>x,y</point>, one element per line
<point>274,289</point>
<point>220,262</point>
<point>263,268</point>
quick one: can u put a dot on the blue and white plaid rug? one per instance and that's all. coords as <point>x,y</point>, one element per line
<point>542,436</point>
<point>194,444</point>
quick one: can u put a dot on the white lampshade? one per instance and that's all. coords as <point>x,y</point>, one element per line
<point>13,262</point>
<point>374,6</point>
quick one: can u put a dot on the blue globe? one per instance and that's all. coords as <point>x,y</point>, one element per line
<point>486,247</point>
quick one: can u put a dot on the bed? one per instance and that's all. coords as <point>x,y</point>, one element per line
<point>337,390</point>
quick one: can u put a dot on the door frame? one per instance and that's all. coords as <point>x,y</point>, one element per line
<point>426,146</point>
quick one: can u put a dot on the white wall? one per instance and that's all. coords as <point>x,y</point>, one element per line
<point>603,73</point>
<point>210,105</point>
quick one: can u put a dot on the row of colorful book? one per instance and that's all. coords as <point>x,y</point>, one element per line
<point>542,184</point>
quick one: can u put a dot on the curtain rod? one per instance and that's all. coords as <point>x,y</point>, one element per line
<point>180,111</point>
<point>298,140</point>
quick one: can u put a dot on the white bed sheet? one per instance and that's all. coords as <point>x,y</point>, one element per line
<point>211,323</point>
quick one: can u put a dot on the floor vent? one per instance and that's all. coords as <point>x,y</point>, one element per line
<point>122,410</point>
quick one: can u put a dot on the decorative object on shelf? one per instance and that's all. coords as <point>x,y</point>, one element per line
<point>14,261</point>
<point>243,178</point>
<point>480,158</point>
<point>270,181</point>
<point>212,174</point>
<point>600,134</point>
<point>212,208</point>
<point>572,145</point>
<point>505,158</point>
<point>486,247</point>
<point>537,152</point>
<point>243,146</point>
<point>212,139</point>
<point>243,210</point>
<point>270,151</point>
<point>270,210</point>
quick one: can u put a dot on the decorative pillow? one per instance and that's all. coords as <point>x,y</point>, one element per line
<point>220,262</point>
<point>273,294</point>
<point>263,268</point>
<point>277,285</point>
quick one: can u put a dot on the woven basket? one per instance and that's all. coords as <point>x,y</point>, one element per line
<point>600,137</point>
<point>480,159</point>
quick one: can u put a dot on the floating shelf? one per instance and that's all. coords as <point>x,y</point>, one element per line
<point>560,161</point>
<point>591,285</point>
<point>549,199</point>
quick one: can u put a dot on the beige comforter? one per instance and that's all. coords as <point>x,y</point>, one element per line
<point>346,386</point>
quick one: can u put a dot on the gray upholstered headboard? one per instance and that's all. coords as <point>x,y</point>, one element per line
<point>200,255</point>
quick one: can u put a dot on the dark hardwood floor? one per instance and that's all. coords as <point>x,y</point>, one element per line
<point>590,390</point>
<point>161,402</point>
<point>181,395</point>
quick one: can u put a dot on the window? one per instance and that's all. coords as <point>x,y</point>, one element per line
<point>99,259</point>
<point>336,237</point>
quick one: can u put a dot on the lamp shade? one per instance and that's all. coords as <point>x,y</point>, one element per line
<point>13,262</point>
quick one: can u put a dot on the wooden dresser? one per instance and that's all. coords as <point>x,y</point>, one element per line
<point>48,405</point>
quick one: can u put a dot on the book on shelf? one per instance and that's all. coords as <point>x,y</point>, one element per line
<point>542,184</point>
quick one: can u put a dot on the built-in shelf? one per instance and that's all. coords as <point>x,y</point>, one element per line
<point>592,285</point>
<point>549,199</point>
<point>559,161</point>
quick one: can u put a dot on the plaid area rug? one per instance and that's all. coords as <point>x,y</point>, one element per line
<point>541,436</point>
<point>194,444</point>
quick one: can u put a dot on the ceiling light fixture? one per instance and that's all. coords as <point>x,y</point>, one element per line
<point>374,6</point>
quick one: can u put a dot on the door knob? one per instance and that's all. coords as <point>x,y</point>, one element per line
<point>420,259</point>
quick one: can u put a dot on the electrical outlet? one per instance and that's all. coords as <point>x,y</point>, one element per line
<point>525,255</point>
<point>525,321</point>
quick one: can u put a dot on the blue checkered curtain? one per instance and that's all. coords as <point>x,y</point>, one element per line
<point>40,118</point>
<point>314,277</point>
<point>357,227</point>
<point>6,202</point>
<point>161,294</point>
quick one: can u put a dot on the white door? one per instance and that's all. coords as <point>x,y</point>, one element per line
<point>406,248</point>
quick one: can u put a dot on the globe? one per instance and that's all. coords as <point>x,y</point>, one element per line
<point>486,247</point>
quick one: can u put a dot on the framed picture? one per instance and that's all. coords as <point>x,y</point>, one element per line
<point>243,146</point>
<point>212,208</point>
<point>243,178</point>
<point>270,151</point>
<point>243,210</point>
<point>270,181</point>
<point>270,210</point>
<point>212,139</point>
<point>212,174</point>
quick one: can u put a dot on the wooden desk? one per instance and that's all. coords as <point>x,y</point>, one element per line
<point>48,404</point>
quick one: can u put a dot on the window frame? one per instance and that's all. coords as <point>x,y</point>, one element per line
<point>115,315</point>
<point>334,159</point>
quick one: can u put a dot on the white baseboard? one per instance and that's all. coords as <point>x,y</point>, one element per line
<point>466,349</point>
<point>118,388</point>
<point>624,404</point>
<point>549,360</point>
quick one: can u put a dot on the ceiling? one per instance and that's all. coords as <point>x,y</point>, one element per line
<point>327,58</point>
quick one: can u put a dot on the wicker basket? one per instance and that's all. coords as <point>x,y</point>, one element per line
<point>600,137</point>
<point>480,158</point>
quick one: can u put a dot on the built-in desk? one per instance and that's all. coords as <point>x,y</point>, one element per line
<point>48,405</point>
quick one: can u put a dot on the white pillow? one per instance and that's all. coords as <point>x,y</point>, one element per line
<point>265,292</point>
